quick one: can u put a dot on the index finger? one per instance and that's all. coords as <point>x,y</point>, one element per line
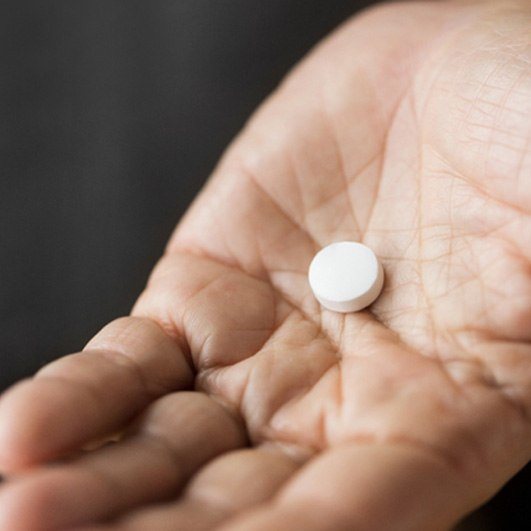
<point>90,394</point>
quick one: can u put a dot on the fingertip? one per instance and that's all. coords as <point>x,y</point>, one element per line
<point>26,429</point>
<point>14,510</point>
<point>12,438</point>
<point>49,499</point>
<point>20,507</point>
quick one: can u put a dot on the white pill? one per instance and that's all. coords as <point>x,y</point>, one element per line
<point>346,276</point>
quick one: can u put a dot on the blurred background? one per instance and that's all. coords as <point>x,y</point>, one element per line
<point>112,115</point>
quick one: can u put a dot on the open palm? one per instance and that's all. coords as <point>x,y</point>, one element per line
<point>408,130</point>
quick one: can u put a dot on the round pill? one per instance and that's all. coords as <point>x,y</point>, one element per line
<point>346,276</point>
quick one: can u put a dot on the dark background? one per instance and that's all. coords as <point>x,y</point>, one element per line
<point>112,114</point>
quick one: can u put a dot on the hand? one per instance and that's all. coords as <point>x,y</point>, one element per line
<point>407,129</point>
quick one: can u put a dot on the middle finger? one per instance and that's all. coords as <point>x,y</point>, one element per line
<point>177,434</point>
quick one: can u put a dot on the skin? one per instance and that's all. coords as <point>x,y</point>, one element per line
<point>235,401</point>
